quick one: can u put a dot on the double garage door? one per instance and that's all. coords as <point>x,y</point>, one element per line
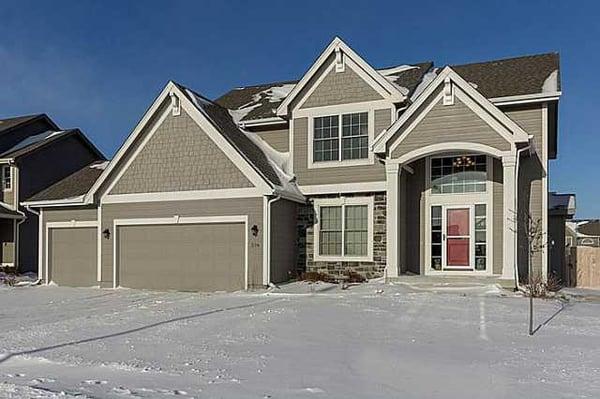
<point>186,257</point>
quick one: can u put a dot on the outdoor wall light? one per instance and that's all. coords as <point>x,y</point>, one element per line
<point>254,230</point>
<point>106,233</point>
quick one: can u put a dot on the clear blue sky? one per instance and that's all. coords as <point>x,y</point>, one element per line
<point>98,65</point>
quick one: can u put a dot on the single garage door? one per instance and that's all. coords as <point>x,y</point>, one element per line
<point>72,254</point>
<point>184,257</point>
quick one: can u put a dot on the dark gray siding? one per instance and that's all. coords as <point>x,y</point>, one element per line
<point>283,240</point>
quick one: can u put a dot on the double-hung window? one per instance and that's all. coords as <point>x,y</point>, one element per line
<point>344,228</point>
<point>6,178</point>
<point>341,137</point>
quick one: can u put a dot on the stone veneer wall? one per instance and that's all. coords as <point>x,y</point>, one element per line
<point>305,237</point>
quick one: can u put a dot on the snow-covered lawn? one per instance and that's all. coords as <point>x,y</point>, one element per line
<point>371,341</point>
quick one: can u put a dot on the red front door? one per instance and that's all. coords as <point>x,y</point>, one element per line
<point>458,237</point>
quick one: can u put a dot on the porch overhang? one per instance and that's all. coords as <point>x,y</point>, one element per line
<point>7,212</point>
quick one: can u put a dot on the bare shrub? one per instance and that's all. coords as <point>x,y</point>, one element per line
<point>317,276</point>
<point>354,277</point>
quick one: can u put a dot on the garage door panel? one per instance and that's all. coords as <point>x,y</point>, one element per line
<point>190,257</point>
<point>72,255</point>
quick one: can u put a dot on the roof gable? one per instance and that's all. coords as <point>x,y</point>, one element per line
<point>251,171</point>
<point>472,98</point>
<point>345,56</point>
<point>178,156</point>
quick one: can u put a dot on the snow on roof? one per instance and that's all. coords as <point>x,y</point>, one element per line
<point>396,69</point>
<point>34,140</point>
<point>273,94</point>
<point>551,83</point>
<point>100,165</point>
<point>427,79</point>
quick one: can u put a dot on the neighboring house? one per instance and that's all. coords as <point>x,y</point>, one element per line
<point>561,209</point>
<point>408,169</point>
<point>583,233</point>
<point>34,154</point>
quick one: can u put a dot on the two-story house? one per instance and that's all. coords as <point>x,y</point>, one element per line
<point>34,154</point>
<point>412,168</point>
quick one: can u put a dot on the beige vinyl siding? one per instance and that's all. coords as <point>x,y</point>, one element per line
<point>65,214</point>
<point>252,207</point>
<point>10,196</point>
<point>340,174</point>
<point>283,240</point>
<point>451,123</point>
<point>279,139</point>
<point>7,241</point>
<point>180,156</point>
<point>529,117</point>
<point>72,255</point>
<point>497,216</point>
<point>341,88</point>
<point>531,172</point>
<point>383,120</point>
<point>530,197</point>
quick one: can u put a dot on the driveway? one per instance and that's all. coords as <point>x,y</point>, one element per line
<point>371,341</point>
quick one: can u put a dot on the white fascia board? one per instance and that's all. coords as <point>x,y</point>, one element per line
<point>276,120</point>
<point>337,43</point>
<point>526,98</point>
<point>75,201</point>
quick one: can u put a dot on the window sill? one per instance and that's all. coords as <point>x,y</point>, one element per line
<point>337,164</point>
<point>320,258</point>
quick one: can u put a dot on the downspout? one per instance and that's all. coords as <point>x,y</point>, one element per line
<point>517,164</point>
<point>39,215</point>
<point>268,243</point>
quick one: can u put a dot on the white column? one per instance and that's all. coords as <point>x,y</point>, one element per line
<point>392,173</point>
<point>509,247</point>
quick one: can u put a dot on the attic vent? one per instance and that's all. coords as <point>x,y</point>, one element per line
<point>339,60</point>
<point>448,92</point>
<point>175,105</point>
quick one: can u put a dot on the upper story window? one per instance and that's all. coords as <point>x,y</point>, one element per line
<point>459,174</point>
<point>6,178</point>
<point>341,137</point>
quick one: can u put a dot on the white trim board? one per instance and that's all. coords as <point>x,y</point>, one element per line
<point>246,192</point>
<point>174,220</point>
<point>316,189</point>
<point>72,224</point>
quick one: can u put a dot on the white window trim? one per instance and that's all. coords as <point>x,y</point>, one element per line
<point>11,178</point>
<point>462,199</point>
<point>321,202</point>
<point>339,111</point>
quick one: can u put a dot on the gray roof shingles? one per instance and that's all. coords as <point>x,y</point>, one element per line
<point>499,78</point>
<point>74,185</point>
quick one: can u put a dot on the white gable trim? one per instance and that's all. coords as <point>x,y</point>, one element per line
<point>244,166</point>
<point>371,76</point>
<point>471,97</point>
<point>444,147</point>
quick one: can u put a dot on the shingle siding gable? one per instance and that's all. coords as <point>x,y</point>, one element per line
<point>180,156</point>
